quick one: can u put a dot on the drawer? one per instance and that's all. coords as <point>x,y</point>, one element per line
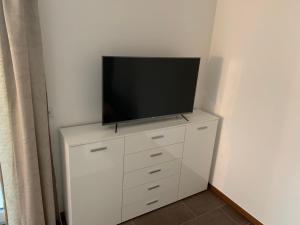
<point>148,204</point>
<point>154,139</point>
<point>149,190</point>
<point>152,157</point>
<point>150,174</point>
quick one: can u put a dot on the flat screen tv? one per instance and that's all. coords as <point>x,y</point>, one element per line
<point>143,87</point>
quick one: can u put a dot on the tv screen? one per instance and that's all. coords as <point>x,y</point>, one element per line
<point>137,88</point>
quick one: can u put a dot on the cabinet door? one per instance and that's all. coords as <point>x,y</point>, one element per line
<point>96,173</point>
<point>197,157</point>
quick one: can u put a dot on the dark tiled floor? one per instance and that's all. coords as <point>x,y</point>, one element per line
<point>201,209</point>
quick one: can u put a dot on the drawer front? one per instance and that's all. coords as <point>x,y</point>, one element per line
<point>138,208</point>
<point>152,157</point>
<point>149,190</point>
<point>154,139</point>
<point>90,158</point>
<point>150,174</point>
<point>96,172</point>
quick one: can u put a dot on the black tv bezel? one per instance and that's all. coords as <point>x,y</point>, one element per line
<point>149,117</point>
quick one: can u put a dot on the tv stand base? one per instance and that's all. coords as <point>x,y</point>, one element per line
<point>184,117</point>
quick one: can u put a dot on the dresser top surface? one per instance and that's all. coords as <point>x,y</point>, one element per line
<point>78,135</point>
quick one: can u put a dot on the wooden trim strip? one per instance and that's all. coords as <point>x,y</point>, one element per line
<point>235,206</point>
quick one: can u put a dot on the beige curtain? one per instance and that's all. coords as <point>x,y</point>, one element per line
<point>25,83</point>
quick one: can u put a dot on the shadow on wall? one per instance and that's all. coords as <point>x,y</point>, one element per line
<point>221,95</point>
<point>212,82</point>
<point>216,149</point>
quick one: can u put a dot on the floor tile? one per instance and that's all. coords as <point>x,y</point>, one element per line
<point>174,214</point>
<point>215,217</point>
<point>238,218</point>
<point>203,202</point>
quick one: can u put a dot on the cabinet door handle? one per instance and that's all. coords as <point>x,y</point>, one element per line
<point>153,187</point>
<point>152,202</point>
<point>154,171</point>
<point>98,149</point>
<point>156,154</point>
<point>202,128</point>
<point>158,137</point>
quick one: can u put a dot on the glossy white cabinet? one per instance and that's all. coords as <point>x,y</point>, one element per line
<point>96,173</point>
<point>197,157</point>
<point>112,177</point>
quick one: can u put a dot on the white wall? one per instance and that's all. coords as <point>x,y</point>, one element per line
<point>77,32</point>
<point>254,84</point>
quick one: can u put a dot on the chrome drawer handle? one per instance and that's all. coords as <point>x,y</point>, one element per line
<point>154,171</point>
<point>152,202</point>
<point>158,137</point>
<point>156,154</point>
<point>153,187</point>
<point>202,128</point>
<point>98,149</point>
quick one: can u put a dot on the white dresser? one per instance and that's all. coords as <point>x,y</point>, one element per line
<point>113,177</point>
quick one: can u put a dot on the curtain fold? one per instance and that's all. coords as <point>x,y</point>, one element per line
<point>26,92</point>
<point>6,154</point>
